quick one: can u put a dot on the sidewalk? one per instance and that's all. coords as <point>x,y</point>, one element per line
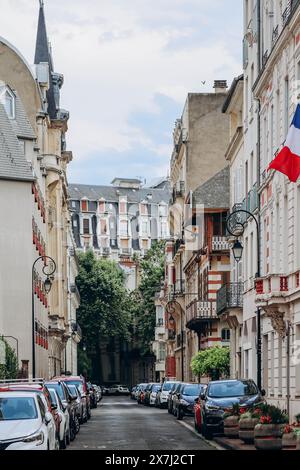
<point>237,444</point>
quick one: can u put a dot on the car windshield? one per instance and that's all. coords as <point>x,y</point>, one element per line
<point>73,389</point>
<point>59,390</point>
<point>77,383</point>
<point>155,388</point>
<point>167,386</point>
<point>12,409</point>
<point>53,396</point>
<point>232,389</point>
<point>192,390</point>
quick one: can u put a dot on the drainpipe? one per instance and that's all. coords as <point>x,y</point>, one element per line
<point>288,378</point>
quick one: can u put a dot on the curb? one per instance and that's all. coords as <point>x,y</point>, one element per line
<point>213,444</point>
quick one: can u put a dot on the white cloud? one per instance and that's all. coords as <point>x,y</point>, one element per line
<point>115,61</point>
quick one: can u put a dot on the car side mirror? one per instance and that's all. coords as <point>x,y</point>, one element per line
<point>197,401</point>
<point>263,393</point>
<point>48,418</point>
<point>53,407</point>
<point>202,396</point>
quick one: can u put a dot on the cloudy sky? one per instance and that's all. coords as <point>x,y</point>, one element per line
<point>128,65</point>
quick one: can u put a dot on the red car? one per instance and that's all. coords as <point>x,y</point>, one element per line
<point>197,414</point>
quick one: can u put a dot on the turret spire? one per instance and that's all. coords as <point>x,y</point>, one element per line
<point>42,46</point>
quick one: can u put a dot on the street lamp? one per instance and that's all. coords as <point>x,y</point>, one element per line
<point>237,250</point>
<point>236,226</point>
<point>48,271</point>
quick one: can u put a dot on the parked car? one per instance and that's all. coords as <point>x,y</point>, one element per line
<point>93,395</point>
<point>76,396</point>
<point>146,400</point>
<point>141,393</point>
<point>64,419</point>
<point>133,393</point>
<point>35,386</point>
<point>80,383</point>
<point>25,423</point>
<point>184,402</point>
<point>112,389</point>
<point>162,395</point>
<point>98,392</point>
<point>153,393</point>
<point>68,402</point>
<point>105,390</point>
<point>220,396</point>
<point>175,389</point>
<point>122,390</point>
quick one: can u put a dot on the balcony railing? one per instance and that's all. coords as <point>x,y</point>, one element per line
<point>220,244</point>
<point>201,311</point>
<point>180,339</point>
<point>177,245</point>
<point>275,35</point>
<point>126,251</point>
<point>171,335</point>
<point>265,58</point>
<point>230,296</point>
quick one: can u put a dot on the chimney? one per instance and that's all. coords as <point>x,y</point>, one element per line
<point>220,86</point>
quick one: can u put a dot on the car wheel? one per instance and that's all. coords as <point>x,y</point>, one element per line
<point>63,443</point>
<point>88,413</point>
<point>77,425</point>
<point>72,430</point>
<point>179,414</point>
<point>206,433</point>
<point>68,437</point>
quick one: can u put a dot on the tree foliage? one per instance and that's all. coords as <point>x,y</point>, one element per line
<point>152,270</point>
<point>212,362</point>
<point>103,310</point>
<point>9,370</point>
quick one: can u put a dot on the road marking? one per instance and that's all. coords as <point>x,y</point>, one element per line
<point>211,443</point>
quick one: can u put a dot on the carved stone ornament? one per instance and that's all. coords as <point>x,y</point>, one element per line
<point>277,321</point>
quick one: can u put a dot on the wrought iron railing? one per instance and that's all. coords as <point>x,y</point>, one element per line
<point>201,310</point>
<point>230,296</point>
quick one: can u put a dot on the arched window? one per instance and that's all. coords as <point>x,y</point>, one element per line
<point>8,99</point>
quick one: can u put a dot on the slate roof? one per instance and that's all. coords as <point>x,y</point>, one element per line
<point>13,164</point>
<point>43,54</point>
<point>112,193</point>
<point>214,193</point>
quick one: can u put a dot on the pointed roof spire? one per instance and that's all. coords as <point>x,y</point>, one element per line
<point>42,46</point>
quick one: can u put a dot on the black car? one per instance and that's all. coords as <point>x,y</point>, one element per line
<point>220,396</point>
<point>92,394</point>
<point>175,389</point>
<point>148,389</point>
<point>183,403</point>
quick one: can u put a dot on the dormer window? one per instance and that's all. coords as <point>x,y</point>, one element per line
<point>8,100</point>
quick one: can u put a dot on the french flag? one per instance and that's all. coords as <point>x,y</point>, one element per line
<point>288,159</point>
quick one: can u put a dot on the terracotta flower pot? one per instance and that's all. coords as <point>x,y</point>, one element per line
<point>289,440</point>
<point>268,436</point>
<point>231,426</point>
<point>246,429</point>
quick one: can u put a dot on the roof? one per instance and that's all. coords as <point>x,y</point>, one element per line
<point>43,54</point>
<point>13,164</point>
<point>214,193</point>
<point>127,180</point>
<point>231,91</point>
<point>113,193</point>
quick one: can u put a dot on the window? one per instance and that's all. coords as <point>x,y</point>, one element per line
<point>41,407</point>
<point>84,206</point>
<point>86,226</point>
<point>101,207</point>
<point>9,104</point>
<point>122,207</point>
<point>225,334</point>
<point>286,107</point>
<point>103,227</point>
<point>74,204</point>
<point>124,228</point>
<point>144,209</point>
<point>145,229</point>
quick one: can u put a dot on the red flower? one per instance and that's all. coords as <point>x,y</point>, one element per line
<point>265,419</point>
<point>243,410</point>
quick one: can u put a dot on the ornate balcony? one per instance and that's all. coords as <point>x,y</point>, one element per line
<point>230,296</point>
<point>199,312</point>
<point>220,244</point>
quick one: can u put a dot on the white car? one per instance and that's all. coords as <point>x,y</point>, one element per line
<point>25,422</point>
<point>153,393</point>
<point>162,396</point>
<point>122,390</point>
<point>62,411</point>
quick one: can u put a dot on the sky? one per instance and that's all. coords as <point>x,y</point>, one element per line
<point>128,66</point>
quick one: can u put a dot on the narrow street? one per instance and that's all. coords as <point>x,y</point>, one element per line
<point>121,424</point>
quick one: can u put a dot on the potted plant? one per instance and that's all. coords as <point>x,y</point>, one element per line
<point>247,423</point>
<point>268,432</point>
<point>231,421</point>
<point>289,437</point>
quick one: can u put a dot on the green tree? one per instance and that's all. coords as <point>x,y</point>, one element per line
<point>103,310</point>
<point>212,362</point>
<point>9,370</point>
<point>152,271</point>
